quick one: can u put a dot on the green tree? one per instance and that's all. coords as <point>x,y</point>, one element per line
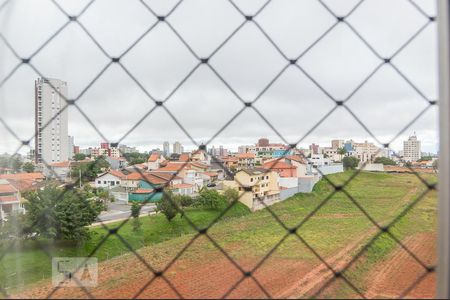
<point>210,199</point>
<point>89,170</point>
<point>385,161</point>
<point>79,156</point>
<point>135,158</point>
<point>61,214</point>
<point>231,195</point>
<point>425,158</point>
<point>184,200</point>
<point>14,228</point>
<point>435,164</point>
<point>408,164</point>
<point>350,162</point>
<point>341,152</point>
<point>16,164</point>
<point>135,212</point>
<point>167,205</point>
<point>28,167</point>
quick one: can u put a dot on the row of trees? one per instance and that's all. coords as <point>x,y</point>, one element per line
<point>351,162</point>
<point>16,163</point>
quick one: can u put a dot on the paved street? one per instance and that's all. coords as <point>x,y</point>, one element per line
<point>120,211</point>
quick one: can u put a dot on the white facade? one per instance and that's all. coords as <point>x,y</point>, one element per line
<point>166,149</point>
<point>52,139</point>
<point>71,146</point>
<point>177,148</point>
<point>107,180</point>
<point>412,149</point>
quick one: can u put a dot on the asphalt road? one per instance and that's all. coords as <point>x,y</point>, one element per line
<point>117,211</point>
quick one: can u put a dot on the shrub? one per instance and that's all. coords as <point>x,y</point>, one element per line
<point>168,205</point>
<point>211,199</point>
<point>350,162</point>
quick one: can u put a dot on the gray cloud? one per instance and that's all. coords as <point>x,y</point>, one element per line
<point>248,62</point>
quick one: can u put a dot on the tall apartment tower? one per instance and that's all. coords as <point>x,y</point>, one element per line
<point>51,122</point>
<point>411,149</point>
<point>177,148</point>
<point>166,149</point>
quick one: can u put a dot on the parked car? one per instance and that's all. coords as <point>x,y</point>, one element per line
<point>211,184</point>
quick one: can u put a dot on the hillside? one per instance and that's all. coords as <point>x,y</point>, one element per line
<point>336,232</point>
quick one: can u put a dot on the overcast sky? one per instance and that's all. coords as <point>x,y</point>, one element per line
<point>203,104</point>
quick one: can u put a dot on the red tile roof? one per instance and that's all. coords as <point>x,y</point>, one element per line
<point>296,158</point>
<point>154,157</point>
<point>7,188</point>
<point>174,167</point>
<point>152,177</point>
<point>184,157</point>
<point>117,174</point>
<point>245,155</point>
<point>278,165</point>
<point>61,164</point>
<point>23,176</point>
<point>9,199</point>
<point>199,165</point>
<point>142,191</point>
<point>211,174</point>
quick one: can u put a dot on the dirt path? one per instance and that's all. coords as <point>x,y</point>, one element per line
<point>320,274</point>
<point>392,277</point>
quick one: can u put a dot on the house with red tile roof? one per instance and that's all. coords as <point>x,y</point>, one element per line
<point>283,169</point>
<point>246,160</point>
<point>36,176</point>
<point>154,161</point>
<point>9,200</point>
<point>109,179</point>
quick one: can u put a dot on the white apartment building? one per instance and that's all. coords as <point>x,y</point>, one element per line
<point>71,147</point>
<point>177,148</point>
<point>166,149</point>
<point>367,152</point>
<point>411,149</point>
<point>51,121</point>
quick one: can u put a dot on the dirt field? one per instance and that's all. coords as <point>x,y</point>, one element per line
<point>281,278</point>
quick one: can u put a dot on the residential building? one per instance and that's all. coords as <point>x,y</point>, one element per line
<point>58,170</point>
<point>183,189</point>
<point>257,187</point>
<point>114,152</point>
<point>154,161</point>
<point>315,149</point>
<point>282,168</point>
<point>412,149</point>
<point>109,179</point>
<point>51,121</point>
<point>177,148</point>
<point>337,144</point>
<point>263,142</point>
<point>246,160</point>
<point>71,147</point>
<point>318,160</point>
<point>9,200</point>
<point>117,163</point>
<point>367,152</point>
<point>125,149</point>
<point>166,149</point>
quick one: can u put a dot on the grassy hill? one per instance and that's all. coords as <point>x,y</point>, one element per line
<point>243,235</point>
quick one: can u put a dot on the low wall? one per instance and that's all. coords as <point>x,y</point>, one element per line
<point>331,169</point>
<point>305,185</point>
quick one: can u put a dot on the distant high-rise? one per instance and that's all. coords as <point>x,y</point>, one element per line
<point>412,149</point>
<point>166,149</point>
<point>71,147</point>
<point>337,144</point>
<point>51,121</point>
<point>177,148</point>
